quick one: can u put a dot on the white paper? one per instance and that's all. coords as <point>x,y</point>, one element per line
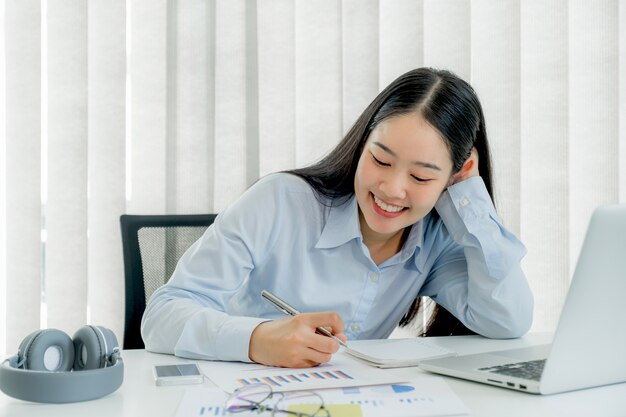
<point>425,396</point>
<point>342,371</point>
<point>395,353</point>
<point>200,401</point>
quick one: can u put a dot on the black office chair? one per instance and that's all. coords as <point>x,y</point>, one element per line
<point>152,246</point>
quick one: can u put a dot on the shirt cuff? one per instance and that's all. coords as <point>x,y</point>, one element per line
<point>463,203</point>
<point>233,338</point>
<point>213,335</point>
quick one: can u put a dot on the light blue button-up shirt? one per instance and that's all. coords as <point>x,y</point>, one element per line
<point>279,237</point>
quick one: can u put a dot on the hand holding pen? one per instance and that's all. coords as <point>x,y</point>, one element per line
<point>295,342</point>
<point>289,310</point>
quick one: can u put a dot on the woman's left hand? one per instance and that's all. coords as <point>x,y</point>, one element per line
<point>468,170</point>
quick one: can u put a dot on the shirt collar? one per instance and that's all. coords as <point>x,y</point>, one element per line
<point>342,225</point>
<point>415,239</point>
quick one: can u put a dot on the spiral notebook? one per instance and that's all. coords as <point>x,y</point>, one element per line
<point>395,353</point>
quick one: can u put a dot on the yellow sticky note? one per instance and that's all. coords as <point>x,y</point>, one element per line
<point>335,410</point>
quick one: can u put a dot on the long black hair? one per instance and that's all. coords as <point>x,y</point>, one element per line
<point>450,105</point>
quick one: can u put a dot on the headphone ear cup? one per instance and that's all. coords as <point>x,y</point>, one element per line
<point>21,351</point>
<point>47,350</point>
<point>111,340</point>
<point>93,345</point>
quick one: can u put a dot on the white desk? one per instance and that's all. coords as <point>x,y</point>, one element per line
<point>138,396</point>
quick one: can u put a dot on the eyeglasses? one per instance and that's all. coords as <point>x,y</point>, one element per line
<point>254,397</point>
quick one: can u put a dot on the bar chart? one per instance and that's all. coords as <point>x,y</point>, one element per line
<point>341,372</point>
<point>278,380</point>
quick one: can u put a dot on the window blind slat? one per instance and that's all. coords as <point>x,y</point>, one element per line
<point>148,104</point>
<point>496,79</point>
<point>360,30</point>
<point>401,41</point>
<point>593,118</point>
<point>192,163</point>
<point>106,162</point>
<point>447,35</point>
<point>3,189</point>
<point>66,208</point>
<point>622,101</point>
<point>230,102</point>
<point>277,120</point>
<point>20,195</point>
<point>318,78</point>
<point>544,189</point>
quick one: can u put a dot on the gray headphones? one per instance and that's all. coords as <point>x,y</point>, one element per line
<point>51,367</point>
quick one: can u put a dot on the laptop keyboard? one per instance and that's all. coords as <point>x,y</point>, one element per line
<point>528,370</point>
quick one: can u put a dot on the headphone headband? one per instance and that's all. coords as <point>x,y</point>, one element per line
<point>60,387</point>
<point>51,367</point>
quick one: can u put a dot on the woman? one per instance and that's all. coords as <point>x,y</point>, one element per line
<point>400,209</point>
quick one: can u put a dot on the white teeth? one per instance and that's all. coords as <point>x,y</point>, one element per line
<point>387,207</point>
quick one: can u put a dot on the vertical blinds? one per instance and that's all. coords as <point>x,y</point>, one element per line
<point>176,106</point>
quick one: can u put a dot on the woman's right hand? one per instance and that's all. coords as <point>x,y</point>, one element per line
<point>292,342</point>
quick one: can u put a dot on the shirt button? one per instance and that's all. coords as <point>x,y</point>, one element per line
<point>374,277</point>
<point>355,327</point>
<point>464,201</point>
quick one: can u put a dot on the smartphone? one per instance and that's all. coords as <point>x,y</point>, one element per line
<point>178,374</point>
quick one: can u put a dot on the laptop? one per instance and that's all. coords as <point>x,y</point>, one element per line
<point>589,345</point>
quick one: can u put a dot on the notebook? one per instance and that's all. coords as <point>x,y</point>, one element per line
<point>395,353</point>
<point>589,345</point>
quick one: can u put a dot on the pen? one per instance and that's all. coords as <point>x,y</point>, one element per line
<point>289,310</point>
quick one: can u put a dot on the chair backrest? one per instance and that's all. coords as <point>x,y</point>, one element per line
<point>152,246</point>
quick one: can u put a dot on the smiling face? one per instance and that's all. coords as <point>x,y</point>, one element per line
<point>403,169</point>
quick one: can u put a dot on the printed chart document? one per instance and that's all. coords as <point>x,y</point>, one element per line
<point>342,371</point>
<point>395,353</point>
<point>420,397</point>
